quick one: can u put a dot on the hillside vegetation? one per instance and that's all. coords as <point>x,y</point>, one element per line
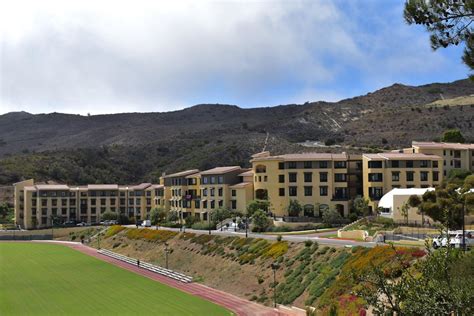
<point>135,147</point>
<point>308,274</point>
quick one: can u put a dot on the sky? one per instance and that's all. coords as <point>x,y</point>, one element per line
<point>101,57</point>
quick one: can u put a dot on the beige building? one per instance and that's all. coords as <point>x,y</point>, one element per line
<point>316,180</point>
<point>37,204</point>
<point>455,156</point>
<point>386,171</point>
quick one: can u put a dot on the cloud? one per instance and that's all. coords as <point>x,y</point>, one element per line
<point>122,56</point>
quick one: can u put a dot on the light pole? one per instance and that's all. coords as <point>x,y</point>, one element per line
<point>166,254</point>
<point>464,226</point>
<point>246,224</point>
<point>209,221</point>
<point>275,267</point>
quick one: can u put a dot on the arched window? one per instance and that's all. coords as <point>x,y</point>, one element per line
<point>261,194</point>
<point>340,209</point>
<point>260,169</point>
<point>308,210</point>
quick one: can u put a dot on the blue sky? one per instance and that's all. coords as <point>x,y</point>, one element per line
<point>140,56</point>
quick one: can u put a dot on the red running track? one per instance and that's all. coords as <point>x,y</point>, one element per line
<point>236,304</point>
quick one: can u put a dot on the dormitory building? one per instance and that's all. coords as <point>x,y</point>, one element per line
<point>316,180</point>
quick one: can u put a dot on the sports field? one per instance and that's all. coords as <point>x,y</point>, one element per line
<point>40,279</point>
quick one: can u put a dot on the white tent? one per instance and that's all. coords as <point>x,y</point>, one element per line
<point>387,202</point>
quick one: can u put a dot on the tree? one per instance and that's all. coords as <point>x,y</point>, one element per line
<point>255,205</point>
<point>453,136</point>
<point>220,214</point>
<point>415,201</point>
<point>157,215</point>
<point>107,216</point>
<point>404,211</point>
<point>294,208</point>
<point>360,205</point>
<point>446,205</point>
<point>331,216</point>
<point>260,221</point>
<point>448,22</point>
<point>7,213</point>
<point>436,285</point>
<point>172,216</point>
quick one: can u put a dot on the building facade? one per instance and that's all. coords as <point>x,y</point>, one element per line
<point>316,180</point>
<point>386,171</point>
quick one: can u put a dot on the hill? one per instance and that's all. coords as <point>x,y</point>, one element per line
<point>134,147</point>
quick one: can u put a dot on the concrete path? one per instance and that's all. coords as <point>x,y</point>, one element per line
<point>236,304</point>
<point>294,238</point>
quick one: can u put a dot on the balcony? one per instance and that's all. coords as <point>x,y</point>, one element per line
<point>340,197</point>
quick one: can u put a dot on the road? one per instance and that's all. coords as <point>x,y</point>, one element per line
<point>293,238</point>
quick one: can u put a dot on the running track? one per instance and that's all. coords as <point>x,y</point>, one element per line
<point>236,304</point>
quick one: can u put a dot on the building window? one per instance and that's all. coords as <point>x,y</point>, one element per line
<point>340,164</point>
<point>204,204</point>
<point>233,204</point>
<point>204,192</point>
<point>281,192</point>
<point>340,177</point>
<point>435,176</point>
<point>265,178</point>
<point>323,191</point>
<point>395,176</point>
<point>220,192</point>
<point>213,180</point>
<point>213,204</point>
<point>395,163</point>
<point>424,164</point>
<point>457,154</point>
<point>323,164</point>
<point>213,191</point>
<point>308,191</point>
<point>292,165</point>
<point>292,191</point>
<point>102,201</point>
<point>292,177</point>
<point>220,179</point>
<point>197,204</point>
<point>308,164</point>
<point>410,175</point>
<point>323,177</point>
<point>375,193</point>
<point>375,177</point>
<point>205,180</point>
<point>93,201</point>
<point>423,176</point>
<point>234,193</point>
<point>281,165</point>
<point>281,178</point>
<point>457,163</point>
<point>308,177</point>
<point>375,164</point>
<point>409,163</point>
<point>435,164</point>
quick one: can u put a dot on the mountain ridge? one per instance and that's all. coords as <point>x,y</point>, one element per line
<point>206,135</point>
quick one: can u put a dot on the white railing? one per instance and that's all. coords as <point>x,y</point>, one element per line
<point>148,266</point>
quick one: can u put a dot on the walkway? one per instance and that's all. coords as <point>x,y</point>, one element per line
<point>294,238</point>
<point>236,304</point>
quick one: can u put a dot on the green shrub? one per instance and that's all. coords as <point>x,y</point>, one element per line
<point>279,238</point>
<point>308,243</point>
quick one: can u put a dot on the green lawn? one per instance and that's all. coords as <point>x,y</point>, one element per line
<point>46,279</point>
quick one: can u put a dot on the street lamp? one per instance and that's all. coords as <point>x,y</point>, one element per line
<point>209,221</point>
<point>275,267</point>
<point>246,224</point>
<point>167,251</point>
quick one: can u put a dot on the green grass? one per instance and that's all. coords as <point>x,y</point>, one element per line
<point>46,279</point>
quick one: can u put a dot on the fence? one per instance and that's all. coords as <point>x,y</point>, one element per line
<point>22,235</point>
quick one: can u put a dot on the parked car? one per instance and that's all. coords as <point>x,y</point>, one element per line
<point>146,223</point>
<point>113,222</point>
<point>455,239</point>
<point>70,223</point>
<point>83,224</point>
